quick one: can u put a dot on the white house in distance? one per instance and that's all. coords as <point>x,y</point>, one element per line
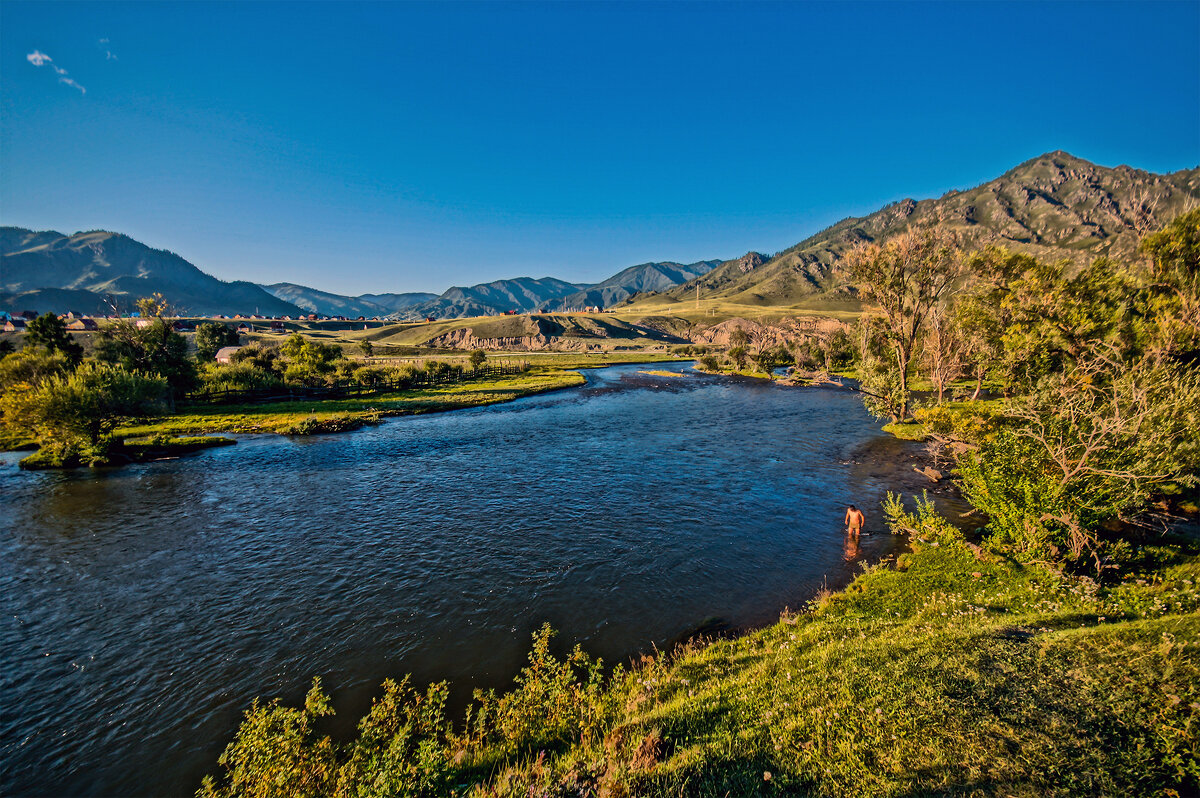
<point>225,353</point>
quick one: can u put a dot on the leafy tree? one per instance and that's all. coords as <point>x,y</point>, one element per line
<point>739,355</point>
<point>153,348</point>
<point>72,415</point>
<point>477,358</point>
<point>212,337</point>
<point>980,315</point>
<point>838,350</point>
<point>1174,284</point>
<point>808,354</point>
<point>264,357</point>
<point>884,394</point>
<point>6,348</point>
<point>1056,321</point>
<point>50,333</point>
<point>1086,447</point>
<point>31,366</point>
<point>942,355</point>
<point>309,362</point>
<point>905,277</point>
<point>366,347</point>
<point>766,360</point>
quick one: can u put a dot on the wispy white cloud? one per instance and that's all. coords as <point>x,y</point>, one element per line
<point>73,85</point>
<point>38,59</point>
<point>109,55</point>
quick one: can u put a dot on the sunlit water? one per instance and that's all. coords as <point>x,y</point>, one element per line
<point>145,607</point>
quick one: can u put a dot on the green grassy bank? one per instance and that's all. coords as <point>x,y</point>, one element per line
<point>289,417</point>
<point>948,671</point>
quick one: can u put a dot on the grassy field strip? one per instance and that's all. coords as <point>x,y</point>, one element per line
<point>280,416</point>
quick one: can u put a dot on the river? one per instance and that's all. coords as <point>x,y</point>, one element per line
<point>144,607</point>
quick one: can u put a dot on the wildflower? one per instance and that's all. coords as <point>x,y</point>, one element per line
<point>766,775</point>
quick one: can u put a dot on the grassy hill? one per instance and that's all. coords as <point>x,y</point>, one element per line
<point>1055,206</point>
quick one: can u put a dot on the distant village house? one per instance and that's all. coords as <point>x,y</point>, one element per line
<point>225,353</point>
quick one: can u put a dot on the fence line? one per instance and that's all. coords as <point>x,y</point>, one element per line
<point>341,389</point>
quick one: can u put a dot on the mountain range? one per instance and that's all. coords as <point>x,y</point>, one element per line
<point>326,304</point>
<point>1055,206</point>
<point>99,272</point>
<point>520,294</point>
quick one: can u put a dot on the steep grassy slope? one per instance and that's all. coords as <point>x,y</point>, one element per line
<point>1055,206</point>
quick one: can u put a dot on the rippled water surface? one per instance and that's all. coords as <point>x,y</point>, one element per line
<point>144,607</point>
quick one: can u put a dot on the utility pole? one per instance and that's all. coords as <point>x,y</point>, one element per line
<point>697,296</point>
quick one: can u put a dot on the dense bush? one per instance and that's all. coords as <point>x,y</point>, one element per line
<point>72,415</point>
<point>243,375</point>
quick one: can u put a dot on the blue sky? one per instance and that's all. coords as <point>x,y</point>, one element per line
<point>408,146</point>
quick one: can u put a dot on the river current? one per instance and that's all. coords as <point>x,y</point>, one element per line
<point>144,607</point>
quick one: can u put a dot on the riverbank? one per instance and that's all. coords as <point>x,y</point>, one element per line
<point>144,450</point>
<point>944,671</point>
<point>328,414</point>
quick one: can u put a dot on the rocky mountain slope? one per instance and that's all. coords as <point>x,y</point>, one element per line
<point>1055,206</point>
<point>521,294</point>
<point>327,304</point>
<point>638,279</point>
<point>89,272</point>
<point>394,303</point>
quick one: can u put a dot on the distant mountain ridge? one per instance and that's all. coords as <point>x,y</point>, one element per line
<point>324,303</point>
<point>521,294</point>
<point>1054,206</point>
<point>642,278</point>
<point>92,271</point>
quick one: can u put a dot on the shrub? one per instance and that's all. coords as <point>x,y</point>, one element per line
<point>243,375</point>
<point>71,416</point>
<point>277,753</point>
<point>925,525</point>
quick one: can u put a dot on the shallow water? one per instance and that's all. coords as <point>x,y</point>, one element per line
<point>145,607</point>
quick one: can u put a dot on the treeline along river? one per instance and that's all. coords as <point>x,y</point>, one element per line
<point>144,607</point>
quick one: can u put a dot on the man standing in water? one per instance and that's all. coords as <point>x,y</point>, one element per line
<point>854,521</point>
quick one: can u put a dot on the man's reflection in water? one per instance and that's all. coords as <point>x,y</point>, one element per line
<point>851,550</point>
